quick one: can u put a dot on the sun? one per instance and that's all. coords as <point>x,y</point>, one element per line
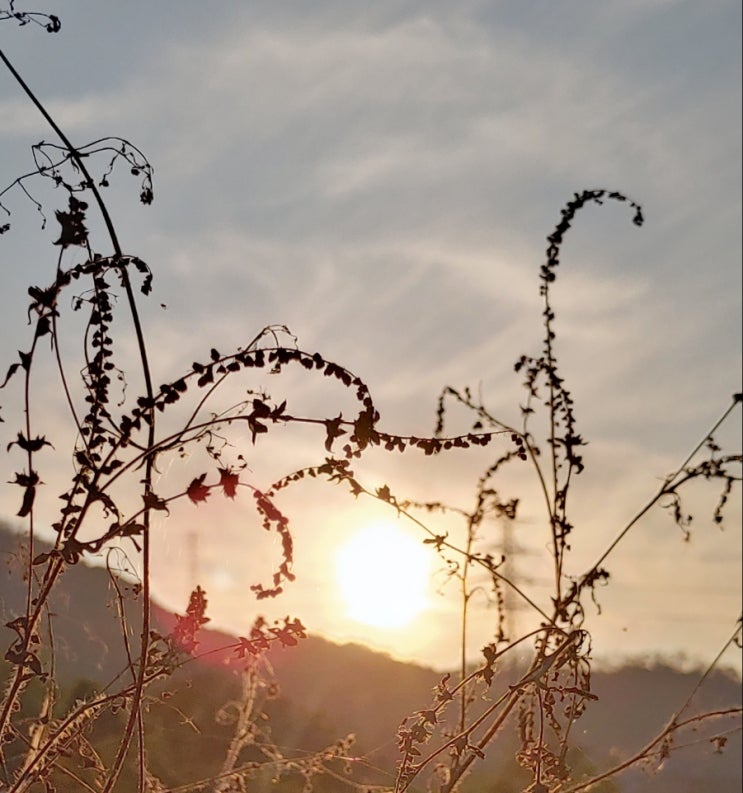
<point>383,576</point>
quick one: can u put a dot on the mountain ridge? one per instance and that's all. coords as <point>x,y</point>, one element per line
<point>335,689</point>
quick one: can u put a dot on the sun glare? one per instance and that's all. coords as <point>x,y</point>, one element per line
<point>383,576</point>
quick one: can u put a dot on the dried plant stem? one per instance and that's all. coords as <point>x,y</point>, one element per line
<point>647,750</point>
<point>135,714</point>
<point>668,485</point>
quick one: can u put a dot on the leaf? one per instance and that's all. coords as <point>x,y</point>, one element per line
<point>256,428</point>
<point>43,326</point>
<point>12,369</point>
<point>153,501</point>
<point>383,493</point>
<point>73,224</point>
<point>28,501</point>
<point>72,551</point>
<point>130,530</point>
<point>364,432</point>
<point>228,482</point>
<point>26,480</point>
<point>43,298</point>
<point>30,445</point>
<point>333,429</point>
<point>207,377</point>
<point>197,491</point>
<point>260,409</point>
<point>186,627</point>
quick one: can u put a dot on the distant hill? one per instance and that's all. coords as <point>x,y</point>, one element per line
<point>330,690</point>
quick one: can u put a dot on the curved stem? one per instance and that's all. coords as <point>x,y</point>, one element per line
<point>134,716</point>
<point>647,750</point>
<point>663,490</point>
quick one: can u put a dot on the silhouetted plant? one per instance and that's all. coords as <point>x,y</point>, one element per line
<point>553,692</point>
<point>123,441</point>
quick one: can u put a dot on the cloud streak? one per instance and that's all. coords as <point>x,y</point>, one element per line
<point>382,181</point>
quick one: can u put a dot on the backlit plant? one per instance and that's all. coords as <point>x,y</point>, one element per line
<point>125,426</point>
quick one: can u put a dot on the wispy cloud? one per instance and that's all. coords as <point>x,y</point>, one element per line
<point>382,181</point>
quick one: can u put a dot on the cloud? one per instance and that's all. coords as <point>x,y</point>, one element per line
<point>382,180</point>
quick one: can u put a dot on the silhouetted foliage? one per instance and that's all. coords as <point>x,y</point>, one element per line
<point>103,738</point>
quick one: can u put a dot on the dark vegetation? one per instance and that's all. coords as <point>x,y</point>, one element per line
<point>119,703</point>
<point>327,690</point>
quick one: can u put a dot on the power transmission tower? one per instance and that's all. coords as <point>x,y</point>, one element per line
<point>194,567</point>
<point>511,551</point>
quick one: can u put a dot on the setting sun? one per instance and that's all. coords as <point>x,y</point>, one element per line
<point>383,576</point>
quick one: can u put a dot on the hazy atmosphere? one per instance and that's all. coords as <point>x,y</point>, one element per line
<point>380,179</point>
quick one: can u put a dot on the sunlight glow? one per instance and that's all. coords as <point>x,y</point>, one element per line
<point>383,576</point>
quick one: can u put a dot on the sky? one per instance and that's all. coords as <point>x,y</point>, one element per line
<point>381,178</point>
